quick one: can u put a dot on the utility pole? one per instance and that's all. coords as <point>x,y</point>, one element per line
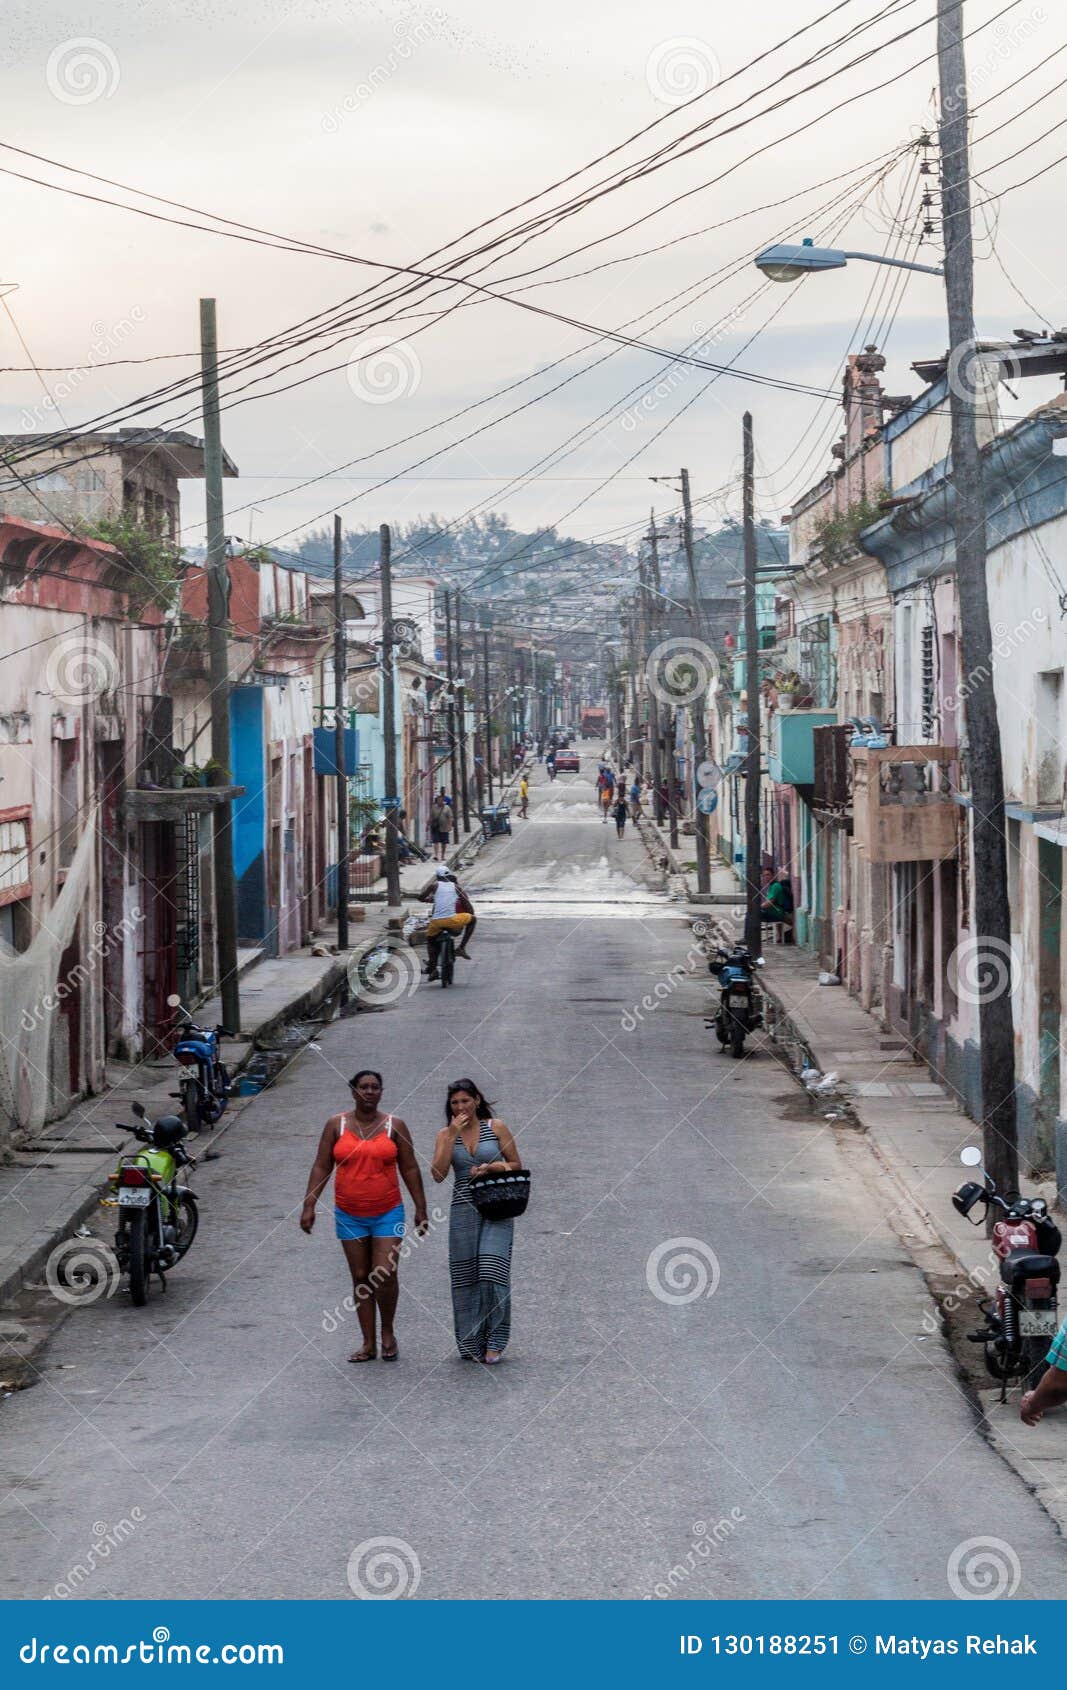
<point>478,749</point>
<point>487,735</point>
<point>653,613</point>
<point>667,719</point>
<point>218,614</point>
<point>450,671</point>
<point>461,688</point>
<point>700,746</point>
<point>339,718</point>
<point>392,798</point>
<point>753,848</point>
<point>992,915</point>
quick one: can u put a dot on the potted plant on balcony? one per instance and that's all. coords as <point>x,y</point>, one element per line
<point>789,687</point>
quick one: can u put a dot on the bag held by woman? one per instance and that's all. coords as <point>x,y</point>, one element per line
<point>499,1197</point>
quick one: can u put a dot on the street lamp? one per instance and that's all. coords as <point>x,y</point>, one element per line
<point>791,263</point>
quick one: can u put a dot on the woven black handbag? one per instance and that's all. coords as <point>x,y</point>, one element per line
<point>499,1197</point>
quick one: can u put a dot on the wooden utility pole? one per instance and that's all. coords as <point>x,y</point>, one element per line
<point>992,914</point>
<point>218,615</point>
<point>392,797</point>
<point>340,723</point>
<point>753,847</point>
<point>487,736</point>
<point>664,715</point>
<point>700,744</point>
<point>478,723</point>
<point>450,671</point>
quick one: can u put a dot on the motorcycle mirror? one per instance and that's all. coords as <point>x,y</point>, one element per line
<point>971,1156</point>
<point>138,1109</point>
<point>761,962</point>
<point>174,1001</point>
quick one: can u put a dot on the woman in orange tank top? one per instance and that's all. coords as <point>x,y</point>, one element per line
<point>369,1153</point>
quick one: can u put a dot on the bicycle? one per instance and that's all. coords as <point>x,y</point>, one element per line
<point>446,958</point>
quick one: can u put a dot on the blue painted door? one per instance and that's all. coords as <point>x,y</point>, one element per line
<point>249,813</point>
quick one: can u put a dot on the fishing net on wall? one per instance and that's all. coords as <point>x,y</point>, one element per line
<point>30,994</point>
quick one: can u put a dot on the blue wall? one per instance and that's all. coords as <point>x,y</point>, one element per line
<point>249,812</point>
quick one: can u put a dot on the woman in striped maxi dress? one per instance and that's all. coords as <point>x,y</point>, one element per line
<point>479,1250</point>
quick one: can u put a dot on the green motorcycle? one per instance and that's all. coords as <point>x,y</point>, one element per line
<point>158,1217</point>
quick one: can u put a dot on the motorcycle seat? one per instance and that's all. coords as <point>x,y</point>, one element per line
<point>1029,1264</point>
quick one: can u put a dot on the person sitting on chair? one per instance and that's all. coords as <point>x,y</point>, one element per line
<point>779,896</point>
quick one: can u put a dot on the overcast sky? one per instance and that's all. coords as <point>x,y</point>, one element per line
<point>386,130</point>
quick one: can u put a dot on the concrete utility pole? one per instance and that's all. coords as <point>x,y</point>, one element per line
<point>218,615</point>
<point>450,671</point>
<point>461,689</point>
<point>753,847</point>
<point>650,580</point>
<point>990,877</point>
<point>700,744</point>
<point>667,719</point>
<point>478,723</point>
<point>487,737</point>
<point>392,797</point>
<point>339,721</point>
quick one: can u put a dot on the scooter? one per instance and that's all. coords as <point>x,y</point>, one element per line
<point>203,1095</point>
<point>1022,1319</point>
<point>158,1217</point>
<point>740,1005</point>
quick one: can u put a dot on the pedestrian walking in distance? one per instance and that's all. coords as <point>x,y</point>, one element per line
<point>472,1144</point>
<point>366,1150</point>
<point>440,825</point>
<point>620,812</point>
<point>524,797</point>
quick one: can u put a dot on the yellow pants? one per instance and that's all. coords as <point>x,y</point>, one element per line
<point>448,924</point>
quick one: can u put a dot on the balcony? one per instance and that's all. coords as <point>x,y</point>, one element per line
<point>832,797</point>
<point>791,756</point>
<point>902,804</point>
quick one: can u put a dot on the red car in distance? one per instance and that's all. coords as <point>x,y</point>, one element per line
<point>567,761</point>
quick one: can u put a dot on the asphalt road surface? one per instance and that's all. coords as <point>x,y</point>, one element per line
<point>719,1382</point>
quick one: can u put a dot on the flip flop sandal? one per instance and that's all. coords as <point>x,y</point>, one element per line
<point>358,1355</point>
<point>391,1355</point>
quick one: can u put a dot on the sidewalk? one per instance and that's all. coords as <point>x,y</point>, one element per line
<point>886,1102</point>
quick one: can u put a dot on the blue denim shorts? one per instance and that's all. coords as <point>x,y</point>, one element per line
<point>389,1225</point>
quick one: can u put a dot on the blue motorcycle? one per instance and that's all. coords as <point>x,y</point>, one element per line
<point>205,1093</point>
<point>740,1006</point>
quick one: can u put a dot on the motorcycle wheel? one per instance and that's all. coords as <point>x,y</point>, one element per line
<point>191,1105</point>
<point>1034,1351</point>
<point>737,1038</point>
<point>188,1219</point>
<point>447,961</point>
<point>139,1257</point>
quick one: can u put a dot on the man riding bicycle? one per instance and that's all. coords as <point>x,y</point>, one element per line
<point>453,912</point>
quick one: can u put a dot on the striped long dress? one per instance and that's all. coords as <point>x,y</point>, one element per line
<point>479,1258</point>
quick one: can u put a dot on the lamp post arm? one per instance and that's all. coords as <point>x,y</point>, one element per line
<point>897,263</point>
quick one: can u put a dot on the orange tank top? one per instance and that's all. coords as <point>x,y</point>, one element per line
<point>365,1172</point>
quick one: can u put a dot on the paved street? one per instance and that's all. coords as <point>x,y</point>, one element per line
<point>796,1419</point>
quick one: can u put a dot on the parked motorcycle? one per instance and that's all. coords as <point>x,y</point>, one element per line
<point>158,1217</point>
<point>1022,1319</point>
<point>740,1005</point>
<point>203,1095</point>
